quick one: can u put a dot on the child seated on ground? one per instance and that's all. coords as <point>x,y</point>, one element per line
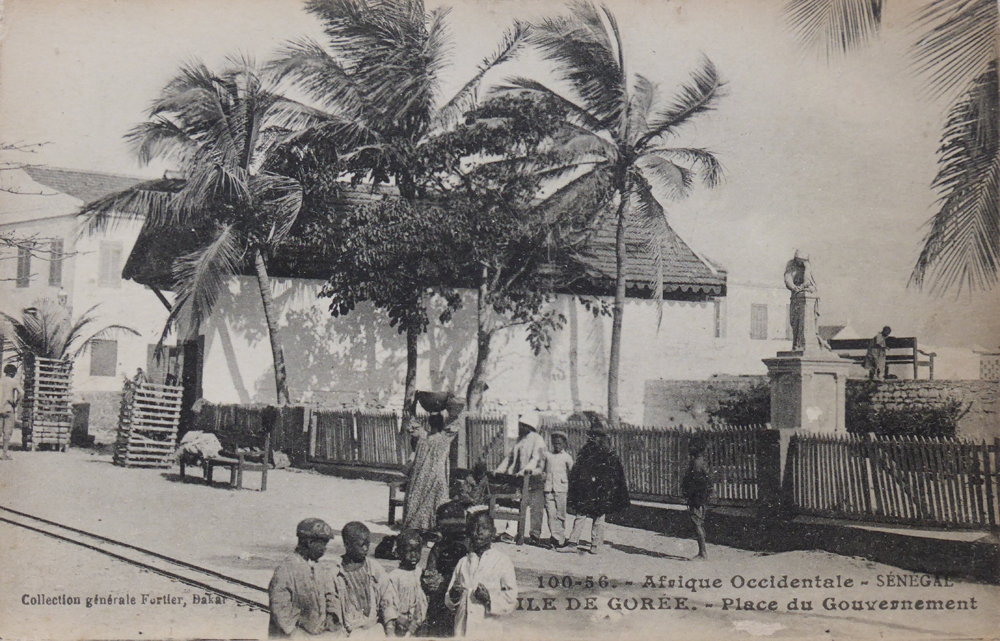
<point>363,596</point>
<point>483,586</point>
<point>476,490</point>
<point>697,489</point>
<point>441,561</point>
<point>411,602</point>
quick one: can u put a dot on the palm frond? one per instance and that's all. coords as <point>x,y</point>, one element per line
<point>201,276</point>
<point>465,98</point>
<point>527,85</point>
<point>160,138</point>
<point>587,57</point>
<point>646,214</point>
<point>641,100</point>
<point>673,179</point>
<point>705,161</point>
<point>150,201</point>
<point>834,26</point>
<point>110,331</point>
<point>696,97</point>
<point>959,41</point>
<point>306,65</point>
<point>281,199</point>
<point>962,247</point>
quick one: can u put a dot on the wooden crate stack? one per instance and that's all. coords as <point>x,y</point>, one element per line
<point>147,425</point>
<point>47,411</point>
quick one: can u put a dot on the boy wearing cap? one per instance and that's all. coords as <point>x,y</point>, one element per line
<point>528,458</point>
<point>301,590</point>
<point>558,463</point>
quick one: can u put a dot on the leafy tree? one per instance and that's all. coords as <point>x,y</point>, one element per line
<point>957,49</point>
<point>376,86</point>
<point>614,147</point>
<point>46,330</point>
<point>510,245</point>
<point>219,128</point>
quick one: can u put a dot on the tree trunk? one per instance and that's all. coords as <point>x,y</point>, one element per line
<point>484,335</point>
<point>264,283</point>
<point>618,312</point>
<point>409,403</point>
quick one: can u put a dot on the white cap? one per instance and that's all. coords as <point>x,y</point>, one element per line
<point>531,419</point>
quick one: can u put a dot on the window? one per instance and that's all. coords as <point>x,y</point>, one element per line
<point>720,318</point>
<point>788,322</point>
<point>23,267</point>
<point>103,357</point>
<point>55,262</point>
<point>758,322</point>
<point>110,274</point>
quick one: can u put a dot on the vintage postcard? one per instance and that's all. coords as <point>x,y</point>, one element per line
<point>665,319</point>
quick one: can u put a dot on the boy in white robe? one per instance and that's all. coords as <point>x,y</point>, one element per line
<point>483,586</point>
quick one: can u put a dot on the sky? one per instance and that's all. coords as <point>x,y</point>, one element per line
<point>832,157</point>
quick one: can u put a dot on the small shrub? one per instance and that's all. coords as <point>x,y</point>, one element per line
<point>939,420</point>
<point>750,405</point>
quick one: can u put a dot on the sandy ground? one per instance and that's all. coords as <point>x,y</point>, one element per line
<point>245,533</point>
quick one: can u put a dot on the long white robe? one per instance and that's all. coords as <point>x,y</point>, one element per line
<point>495,571</point>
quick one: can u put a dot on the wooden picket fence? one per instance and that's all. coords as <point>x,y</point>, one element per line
<point>908,480</point>
<point>345,437</point>
<point>485,440</point>
<point>46,412</point>
<point>656,459</point>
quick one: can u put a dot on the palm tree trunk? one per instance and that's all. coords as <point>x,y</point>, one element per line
<point>618,312</point>
<point>264,283</point>
<point>410,387</point>
<point>484,335</point>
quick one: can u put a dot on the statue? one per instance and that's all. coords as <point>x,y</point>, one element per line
<point>799,281</point>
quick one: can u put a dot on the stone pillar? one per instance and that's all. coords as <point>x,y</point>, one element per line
<point>808,392</point>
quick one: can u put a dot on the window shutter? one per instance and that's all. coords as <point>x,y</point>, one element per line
<point>23,267</point>
<point>758,322</point>
<point>56,262</point>
<point>110,274</point>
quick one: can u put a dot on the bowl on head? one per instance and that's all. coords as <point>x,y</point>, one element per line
<point>433,402</point>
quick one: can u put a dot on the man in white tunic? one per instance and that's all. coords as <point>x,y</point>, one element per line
<point>483,586</point>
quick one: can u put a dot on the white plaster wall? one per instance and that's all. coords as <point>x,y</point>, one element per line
<point>361,359</point>
<point>130,304</point>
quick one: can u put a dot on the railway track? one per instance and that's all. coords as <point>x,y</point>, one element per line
<point>196,576</point>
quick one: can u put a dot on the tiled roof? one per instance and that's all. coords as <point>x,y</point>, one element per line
<point>684,272</point>
<point>87,186</point>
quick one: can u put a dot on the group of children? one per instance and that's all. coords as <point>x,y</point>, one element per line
<point>465,585</point>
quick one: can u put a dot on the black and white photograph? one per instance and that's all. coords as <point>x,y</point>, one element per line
<point>500,319</point>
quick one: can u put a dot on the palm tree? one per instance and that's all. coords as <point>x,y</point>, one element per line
<point>377,91</point>
<point>46,330</point>
<point>617,152</point>
<point>958,51</point>
<point>217,127</point>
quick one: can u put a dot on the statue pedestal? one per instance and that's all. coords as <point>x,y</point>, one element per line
<point>808,393</point>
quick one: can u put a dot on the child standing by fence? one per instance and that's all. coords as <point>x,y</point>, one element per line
<point>697,489</point>
<point>558,464</point>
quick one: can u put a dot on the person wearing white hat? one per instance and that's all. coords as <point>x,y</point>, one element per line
<point>527,458</point>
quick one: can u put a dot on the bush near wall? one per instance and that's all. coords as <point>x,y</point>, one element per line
<point>918,408</point>
<point>749,405</point>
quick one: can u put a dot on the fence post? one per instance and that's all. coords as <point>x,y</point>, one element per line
<point>769,474</point>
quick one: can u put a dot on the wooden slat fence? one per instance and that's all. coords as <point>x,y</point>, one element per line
<point>485,440</point>
<point>910,480</point>
<point>656,459</point>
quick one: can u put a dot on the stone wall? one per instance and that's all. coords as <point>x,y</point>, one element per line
<point>981,397</point>
<point>669,403</point>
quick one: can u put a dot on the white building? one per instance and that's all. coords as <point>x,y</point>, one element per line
<point>40,204</point>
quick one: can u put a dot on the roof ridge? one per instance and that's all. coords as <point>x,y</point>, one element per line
<point>91,172</point>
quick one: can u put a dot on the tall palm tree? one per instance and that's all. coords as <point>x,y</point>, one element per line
<point>376,86</point>
<point>617,152</point>
<point>217,127</point>
<point>46,330</point>
<point>958,51</point>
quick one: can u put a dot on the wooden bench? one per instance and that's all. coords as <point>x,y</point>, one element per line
<point>237,466</point>
<point>856,348</point>
<point>506,492</point>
